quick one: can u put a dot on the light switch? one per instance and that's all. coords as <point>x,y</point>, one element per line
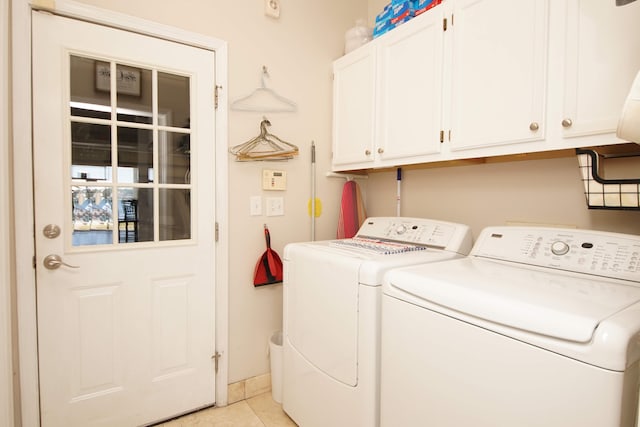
<point>275,206</point>
<point>255,205</point>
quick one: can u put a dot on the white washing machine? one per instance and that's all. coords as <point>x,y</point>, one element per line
<point>332,293</point>
<point>536,327</point>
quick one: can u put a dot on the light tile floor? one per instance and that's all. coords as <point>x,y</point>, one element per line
<point>258,411</point>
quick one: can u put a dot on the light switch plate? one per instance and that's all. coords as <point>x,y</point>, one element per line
<point>255,205</point>
<point>275,206</point>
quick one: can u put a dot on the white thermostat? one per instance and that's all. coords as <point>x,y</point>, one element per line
<point>274,180</point>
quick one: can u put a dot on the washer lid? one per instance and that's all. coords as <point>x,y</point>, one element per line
<point>566,306</point>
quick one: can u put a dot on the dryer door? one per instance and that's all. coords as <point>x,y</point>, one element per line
<point>321,309</point>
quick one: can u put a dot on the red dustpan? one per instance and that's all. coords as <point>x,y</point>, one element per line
<point>269,266</point>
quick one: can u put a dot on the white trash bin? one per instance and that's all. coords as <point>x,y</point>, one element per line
<point>275,354</point>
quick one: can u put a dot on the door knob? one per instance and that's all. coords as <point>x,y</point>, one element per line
<point>53,262</point>
<point>567,123</point>
<point>51,231</point>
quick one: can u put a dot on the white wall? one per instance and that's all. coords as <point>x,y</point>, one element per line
<point>546,191</point>
<point>375,7</point>
<point>298,50</point>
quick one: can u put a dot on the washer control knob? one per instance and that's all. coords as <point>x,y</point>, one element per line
<point>559,248</point>
<point>401,229</point>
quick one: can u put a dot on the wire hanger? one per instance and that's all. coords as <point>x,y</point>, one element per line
<point>264,100</point>
<point>265,146</point>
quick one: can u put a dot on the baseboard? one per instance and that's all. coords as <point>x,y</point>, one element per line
<point>248,388</point>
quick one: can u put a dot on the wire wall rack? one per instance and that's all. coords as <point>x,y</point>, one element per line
<point>601,193</point>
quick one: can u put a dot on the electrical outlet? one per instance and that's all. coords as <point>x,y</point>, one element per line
<point>272,8</point>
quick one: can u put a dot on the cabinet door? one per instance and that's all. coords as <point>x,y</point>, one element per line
<point>354,109</point>
<point>410,88</point>
<point>498,72</point>
<point>601,60</point>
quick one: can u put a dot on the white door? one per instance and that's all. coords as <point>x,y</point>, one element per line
<point>123,167</point>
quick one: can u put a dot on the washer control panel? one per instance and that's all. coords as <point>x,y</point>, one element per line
<point>419,231</point>
<point>593,252</point>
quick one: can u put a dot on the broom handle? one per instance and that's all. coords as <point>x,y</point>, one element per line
<point>267,236</point>
<point>313,191</point>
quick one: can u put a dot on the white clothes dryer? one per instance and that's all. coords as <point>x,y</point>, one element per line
<point>332,293</point>
<point>536,327</point>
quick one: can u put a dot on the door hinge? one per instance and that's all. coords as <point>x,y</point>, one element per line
<point>33,261</point>
<point>441,136</point>
<point>216,356</point>
<point>217,231</point>
<point>444,24</point>
<point>216,95</point>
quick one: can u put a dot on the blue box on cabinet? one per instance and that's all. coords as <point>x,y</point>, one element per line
<point>385,15</point>
<point>402,12</point>
<point>402,20</point>
<point>424,5</point>
<point>382,27</point>
<point>383,21</point>
<point>394,14</point>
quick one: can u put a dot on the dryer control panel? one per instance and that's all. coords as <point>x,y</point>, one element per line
<point>418,231</point>
<point>593,252</point>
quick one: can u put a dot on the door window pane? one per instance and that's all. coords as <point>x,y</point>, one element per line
<point>174,158</point>
<point>135,154</point>
<point>173,99</point>
<point>175,214</point>
<point>92,215</point>
<point>135,215</point>
<point>135,94</point>
<point>90,146</point>
<point>84,92</point>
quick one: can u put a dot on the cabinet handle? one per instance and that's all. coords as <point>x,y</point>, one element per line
<point>534,126</point>
<point>380,150</point>
<point>367,152</point>
<point>567,123</point>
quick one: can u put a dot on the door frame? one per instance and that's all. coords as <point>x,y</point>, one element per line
<point>23,181</point>
<point>7,287</point>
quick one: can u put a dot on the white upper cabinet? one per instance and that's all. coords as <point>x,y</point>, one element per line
<point>387,98</point>
<point>481,78</point>
<point>498,72</point>
<point>353,109</point>
<point>600,59</point>
<point>410,64</point>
